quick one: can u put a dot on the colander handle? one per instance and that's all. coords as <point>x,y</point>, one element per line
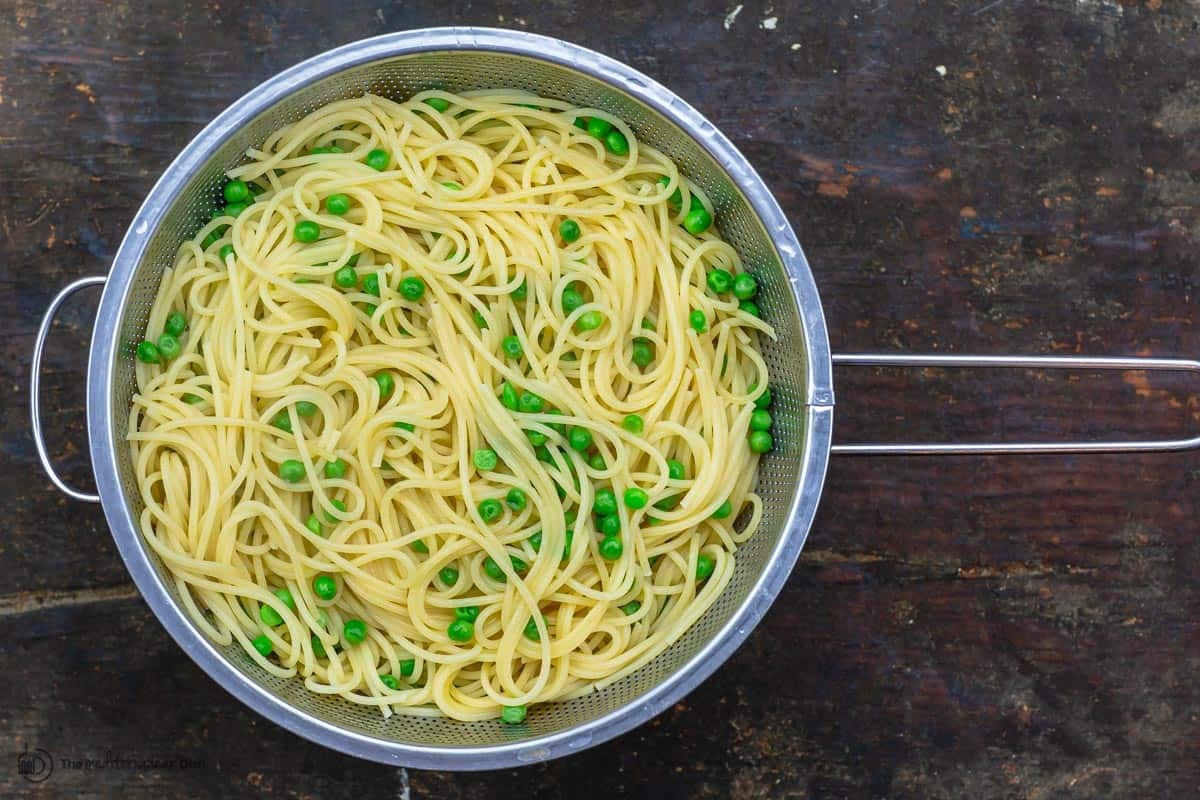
<point>1009,448</point>
<point>35,379</point>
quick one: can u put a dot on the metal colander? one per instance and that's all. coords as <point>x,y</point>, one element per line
<point>458,60</point>
<point>790,478</point>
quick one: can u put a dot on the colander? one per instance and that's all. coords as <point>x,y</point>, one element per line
<point>790,480</point>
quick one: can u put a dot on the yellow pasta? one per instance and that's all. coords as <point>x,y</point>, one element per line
<point>386,391</point>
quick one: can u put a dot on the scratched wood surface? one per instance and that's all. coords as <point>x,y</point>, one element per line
<point>973,176</point>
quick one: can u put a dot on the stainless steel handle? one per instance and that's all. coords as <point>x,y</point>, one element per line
<point>1041,362</point>
<point>35,379</point>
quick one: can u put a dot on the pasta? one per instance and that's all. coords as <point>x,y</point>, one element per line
<point>453,406</point>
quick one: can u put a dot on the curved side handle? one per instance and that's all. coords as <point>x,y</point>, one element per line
<point>1037,362</point>
<point>35,379</point>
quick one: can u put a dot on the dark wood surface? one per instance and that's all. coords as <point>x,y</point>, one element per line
<point>987,176</point>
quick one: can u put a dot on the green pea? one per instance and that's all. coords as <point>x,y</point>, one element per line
<point>176,323</point>
<point>720,281</point>
<point>676,198</point>
<point>352,261</point>
<point>764,399</point>
<point>330,149</point>
<point>745,286</point>
<point>452,185</point>
<point>543,454</point>
<point>318,646</point>
<point>235,209</point>
<point>560,427</point>
<point>291,470</point>
<point>490,510</point>
<point>378,160</point>
<point>704,567</point>
<point>596,462</point>
<point>611,548</point>
<point>616,143</point>
<point>282,421</point>
<point>346,277</point>
<point>568,229</point>
<point>698,321</point>
<point>468,613</point>
<point>580,439</point>
<point>531,631</point>
<point>633,423</point>
<point>305,408</point>
<point>485,459</point>
<point>212,238</point>
<point>508,396</point>
<point>225,252</point>
<point>531,403</point>
<point>236,191</point>
<point>676,470</point>
<point>643,351</point>
<point>589,321</point>
<point>307,231</point>
<point>461,630</point>
<point>438,104</point>
<point>760,420</point>
<point>325,587</point>
<point>192,399</point>
<point>511,346</point>
<point>535,541</point>
<point>631,608</point>
<point>147,352</point>
<point>761,442</point>
<point>340,506</point>
<point>521,292</point>
<point>513,715</point>
<point>667,503</point>
<point>581,123</point>
<point>337,204</point>
<point>610,525</point>
<point>354,631</point>
<point>448,575</point>
<point>571,300</point>
<point>419,547</point>
<point>386,383</point>
<point>390,682</point>
<point>723,510</point>
<point>335,469</point>
<point>598,127</point>
<point>515,499</point>
<point>536,438</point>
<point>750,307</point>
<point>567,546</point>
<point>605,502</point>
<point>168,346</point>
<point>412,288</point>
<point>407,667</point>
<point>285,597</point>
<point>480,319</point>
<point>313,524</point>
<point>263,645</point>
<point>370,284</point>
<point>636,498</point>
<point>698,220</point>
<point>269,616</point>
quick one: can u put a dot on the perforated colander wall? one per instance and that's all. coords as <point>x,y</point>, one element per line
<point>462,70</point>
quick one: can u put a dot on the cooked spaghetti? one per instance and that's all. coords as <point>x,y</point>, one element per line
<point>454,407</point>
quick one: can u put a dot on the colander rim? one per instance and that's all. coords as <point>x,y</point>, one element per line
<point>105,349</point>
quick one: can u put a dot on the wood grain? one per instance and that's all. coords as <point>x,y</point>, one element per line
<point>965,176</point>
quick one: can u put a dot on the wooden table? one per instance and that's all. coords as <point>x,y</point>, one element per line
<point>974,176</point>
